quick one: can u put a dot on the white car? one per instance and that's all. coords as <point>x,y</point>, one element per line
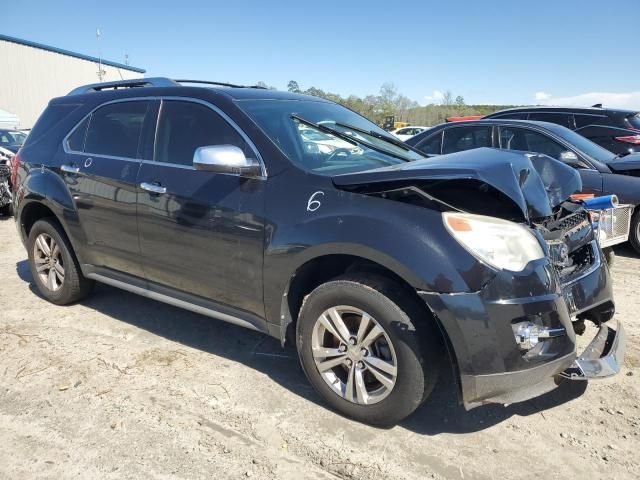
<point>405,133</point>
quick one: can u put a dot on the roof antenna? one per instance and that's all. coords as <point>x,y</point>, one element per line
<point>597,105</point>
<point>101,72</point>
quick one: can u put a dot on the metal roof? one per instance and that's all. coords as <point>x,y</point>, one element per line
<point>69,53</point>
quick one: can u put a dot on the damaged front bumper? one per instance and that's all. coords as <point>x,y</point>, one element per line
<point>479,327</point>
<point>603,356</point>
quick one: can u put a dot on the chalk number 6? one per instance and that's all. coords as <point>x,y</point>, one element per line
<point>313,204</point>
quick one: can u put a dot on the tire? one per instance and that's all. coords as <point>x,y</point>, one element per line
<point>61,289</point>
<point>408,341</point>
<point>634,231</point>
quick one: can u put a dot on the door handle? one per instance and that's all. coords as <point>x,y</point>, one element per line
<point>153,188</point>
<point>70,169</point>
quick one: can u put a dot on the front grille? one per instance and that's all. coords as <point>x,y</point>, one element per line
<point>571,221</point>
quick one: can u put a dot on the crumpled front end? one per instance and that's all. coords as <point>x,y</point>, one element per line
<point>516,338</point>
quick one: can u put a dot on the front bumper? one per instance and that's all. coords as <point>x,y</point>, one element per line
<point>603,357</point>
<point>478,325</point>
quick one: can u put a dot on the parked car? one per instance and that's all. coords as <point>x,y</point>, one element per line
<point>12,139</point>
<point>616,130</point>
<point>407,132</point>
<point>314,141</point>
<point>377,262</point>
<point>602,172</point>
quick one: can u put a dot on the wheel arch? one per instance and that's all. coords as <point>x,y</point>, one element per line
<point>322,268</point>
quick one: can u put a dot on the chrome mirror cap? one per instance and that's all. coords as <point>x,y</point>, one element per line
<point>225,159</point>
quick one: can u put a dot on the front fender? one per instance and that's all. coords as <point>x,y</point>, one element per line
<point>409,240</point>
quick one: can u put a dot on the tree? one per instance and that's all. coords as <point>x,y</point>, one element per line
<point>293,86</point>
<point>388,97</point>
<point>447,98</point>
<point>460,101</point>
<point>264,85</point>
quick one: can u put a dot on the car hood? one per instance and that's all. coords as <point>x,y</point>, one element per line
<point>534,183</point>
<point>626,163</point>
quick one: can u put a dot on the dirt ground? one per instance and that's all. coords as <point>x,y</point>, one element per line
<point>120,386</point>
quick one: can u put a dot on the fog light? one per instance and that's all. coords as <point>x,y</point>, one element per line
<point>528,334</point>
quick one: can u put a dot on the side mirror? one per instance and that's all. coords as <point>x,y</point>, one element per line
<point>572,160</point>
<point>225,159</point>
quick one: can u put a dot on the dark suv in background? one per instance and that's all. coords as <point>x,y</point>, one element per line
<point>616,130</point>
<point>378,263</point>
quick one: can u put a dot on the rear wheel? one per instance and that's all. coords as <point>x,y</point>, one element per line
<point>54,266</point>
<point>365,349</point>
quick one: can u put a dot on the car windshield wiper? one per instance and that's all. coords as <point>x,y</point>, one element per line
<point>373,133</point>
<point>347,138</point>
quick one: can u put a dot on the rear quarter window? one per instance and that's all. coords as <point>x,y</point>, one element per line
<point>634,121</point>
<point>51,117</point>
<point>431,145</point>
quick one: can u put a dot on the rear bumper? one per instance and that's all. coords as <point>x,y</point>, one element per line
<point>491,366</point>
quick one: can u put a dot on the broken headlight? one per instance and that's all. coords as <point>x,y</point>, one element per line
<point>502,244</point>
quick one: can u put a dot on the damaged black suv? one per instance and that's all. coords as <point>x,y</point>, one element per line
<point>296,217</point>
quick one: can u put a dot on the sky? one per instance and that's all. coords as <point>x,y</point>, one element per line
<point>490,52</point>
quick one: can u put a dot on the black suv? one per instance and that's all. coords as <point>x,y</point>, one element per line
<point>376,261</point>
<point>616,130</point>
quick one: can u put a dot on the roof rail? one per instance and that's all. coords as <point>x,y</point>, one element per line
<point>133,83</point>
<point>148,82</point>
<point>223,84</point>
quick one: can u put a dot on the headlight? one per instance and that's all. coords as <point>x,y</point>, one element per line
<point>500,243</point>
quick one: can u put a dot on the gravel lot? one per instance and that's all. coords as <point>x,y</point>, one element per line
<point>120,386</point>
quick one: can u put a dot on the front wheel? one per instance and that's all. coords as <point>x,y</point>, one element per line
<point>365,349</point>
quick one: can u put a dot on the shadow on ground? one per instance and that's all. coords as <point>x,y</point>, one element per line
<point>625,250</point>
<point>440,413</point>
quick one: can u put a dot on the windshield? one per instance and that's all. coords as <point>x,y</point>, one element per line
<point>313,147</point>
<point>8,137</point>
<point>583,144</point>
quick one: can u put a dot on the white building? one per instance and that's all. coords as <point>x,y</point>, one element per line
<point>31,74</point>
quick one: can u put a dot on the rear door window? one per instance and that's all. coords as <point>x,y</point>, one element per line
<point>529,141</point>
<point>564,119</point>
<point>584,120</point>
<point>185,126</point>
<point>115,129</point>
<point>465,138</point>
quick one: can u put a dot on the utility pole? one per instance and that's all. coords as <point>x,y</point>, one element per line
<point>101,72</point>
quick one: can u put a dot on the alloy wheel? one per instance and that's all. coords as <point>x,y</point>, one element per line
<point>354,355</point>
<point>49,263</point>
